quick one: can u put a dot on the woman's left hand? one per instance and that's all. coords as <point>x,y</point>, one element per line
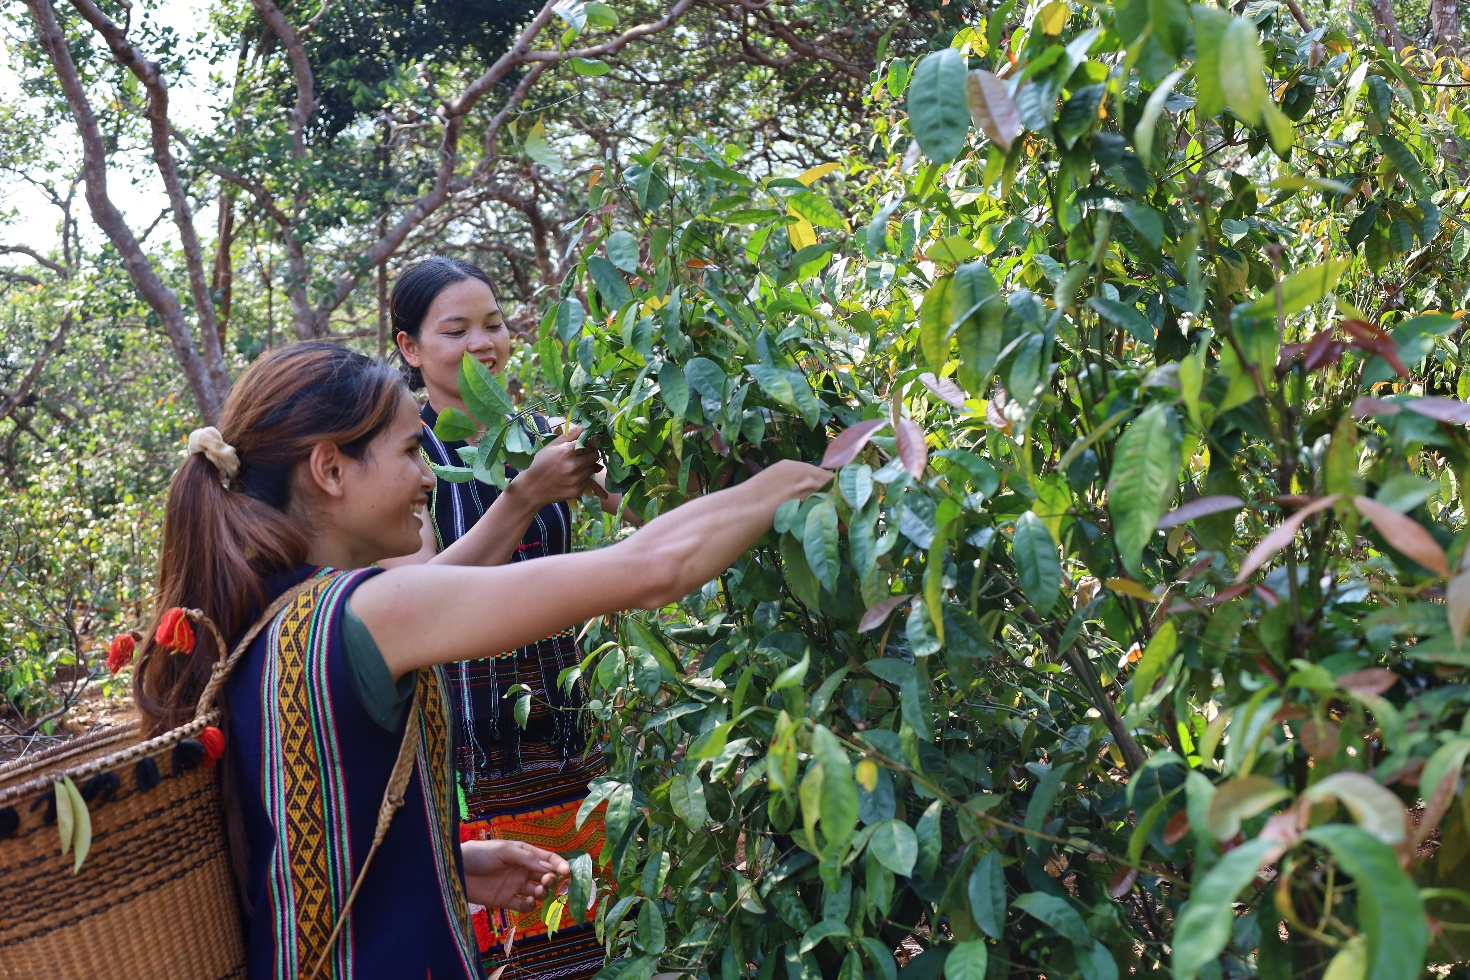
<point>510,874</point>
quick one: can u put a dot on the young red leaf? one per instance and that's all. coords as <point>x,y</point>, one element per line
<point>1281,536</point>
<point>849,443</point>
<point>1365,406</point>
<point>1375,340</point>
<point>1369,680</point>
<point>1122,882</point>
<point>944,389</point>
<point>1450,410</point>
<point>1405,534</point>
<point>875,616</point>
<point>912,449</point>
<point>1202,507</point>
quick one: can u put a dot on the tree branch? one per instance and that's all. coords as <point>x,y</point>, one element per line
<point>155,293</point>
<point>151,76</point>
<point>40,259</point>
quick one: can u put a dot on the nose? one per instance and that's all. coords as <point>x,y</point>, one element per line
<point>477,340</point>
<point>426,475</point>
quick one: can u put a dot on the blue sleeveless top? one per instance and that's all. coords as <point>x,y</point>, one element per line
<point>310,765</point>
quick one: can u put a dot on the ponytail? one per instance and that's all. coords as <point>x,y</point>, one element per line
<point>221,544</point>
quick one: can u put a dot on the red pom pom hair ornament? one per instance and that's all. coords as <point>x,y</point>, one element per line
<point>175,631</point>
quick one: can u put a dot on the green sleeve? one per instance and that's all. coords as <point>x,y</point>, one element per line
<point>384,700</point>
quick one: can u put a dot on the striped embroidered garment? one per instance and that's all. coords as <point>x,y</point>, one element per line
<point>311,766</point>
<point>521,784</point>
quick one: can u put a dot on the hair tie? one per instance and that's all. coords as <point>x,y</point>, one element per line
<point>209,442</point>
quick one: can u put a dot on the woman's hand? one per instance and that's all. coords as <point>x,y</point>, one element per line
<point>510,874</point>
<point>559,472</point>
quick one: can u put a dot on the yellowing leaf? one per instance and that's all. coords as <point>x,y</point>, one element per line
<point>1053,17</point>
<point>809,177</point>
<point>1128,587</point>
<point>64,823</point>
<point>867,775</point>
<point>801,231</point>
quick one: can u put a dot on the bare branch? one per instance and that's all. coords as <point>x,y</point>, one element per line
<point>13,398</point>
<point>94,167</point>
<point>150,74</point>
<point>40,259</point>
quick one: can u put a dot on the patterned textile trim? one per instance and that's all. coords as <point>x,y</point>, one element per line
<point>436,768</point>
<point>554,829</point>
<point>310,872</point>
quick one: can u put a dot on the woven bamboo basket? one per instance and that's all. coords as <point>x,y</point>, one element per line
<point>155,896</point>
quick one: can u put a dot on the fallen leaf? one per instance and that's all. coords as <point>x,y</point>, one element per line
<point>1405,534</point>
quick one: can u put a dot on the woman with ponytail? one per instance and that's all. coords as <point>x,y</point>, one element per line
<point>516,783</point>
<point>313,476</point>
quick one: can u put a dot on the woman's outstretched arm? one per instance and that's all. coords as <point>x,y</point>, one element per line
<point>427,614</point>
<point>559,472</point>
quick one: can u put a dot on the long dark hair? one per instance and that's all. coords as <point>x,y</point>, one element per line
<point>414,290</point>
<point>221,545</point>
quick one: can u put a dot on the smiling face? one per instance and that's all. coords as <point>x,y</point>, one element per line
<point>463,318</point>
<point>382,498</point>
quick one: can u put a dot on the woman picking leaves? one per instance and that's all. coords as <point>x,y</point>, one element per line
<point>314,476</point>
<point>517,783</point>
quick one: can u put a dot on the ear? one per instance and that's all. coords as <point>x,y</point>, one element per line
<point>409,347</point>
<point>326,470</point>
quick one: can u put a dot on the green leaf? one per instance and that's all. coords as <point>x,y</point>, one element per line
<point>686,795</point>
<point>1242,70</point>
<point>1161,647</point>
<point>819,538</point>
<point>65,823</point>
<point>1405,163</point>
<point>935,322</point>
<point>569,318</point>
<point>938,114</point>
<point>622,251</point>
<point>581,887</point>
<point>1079,113</point>
<point>540,151</point>
<point>587,66</point>
<point>1058,914</point>
<point>1038,568</point>
<point>1301,289</point>
<point>673,388</point>
<point>454,425</point>
<point>1143,481</point>
<point>1390,909</point>
<point>967,961</point>
<point>817,209</point>
<point>1203,927</point>
<point>987,893</point>
<point>1126,316</point>
<point>482,393</point>
<point>1209,27</point>
<point>1148,120</point>
<point>611,285</point>
<point>839,805</point>
<point>1170,20</point>
<point>600,14</point>
<point>896,846</point>
<point>708,379</point>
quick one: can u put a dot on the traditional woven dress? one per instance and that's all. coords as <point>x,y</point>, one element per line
<point>311,764</point>
<point>521,784</point>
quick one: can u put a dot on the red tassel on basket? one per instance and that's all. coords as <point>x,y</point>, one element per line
<point>213,741</point>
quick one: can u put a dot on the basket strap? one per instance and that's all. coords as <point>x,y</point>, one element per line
<point>392,800</point>
<point>225,664</point>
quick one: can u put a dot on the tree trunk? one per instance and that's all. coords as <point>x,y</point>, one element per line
<point>1444,26</point>
<point>1388,25</point>
<point>223,280</point>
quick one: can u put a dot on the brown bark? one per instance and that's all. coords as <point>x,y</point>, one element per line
<point>1444,27</point>
<point>151,76</point>
<point>204,383</point>
<point>223,279</point>
<point>1388,25</point>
